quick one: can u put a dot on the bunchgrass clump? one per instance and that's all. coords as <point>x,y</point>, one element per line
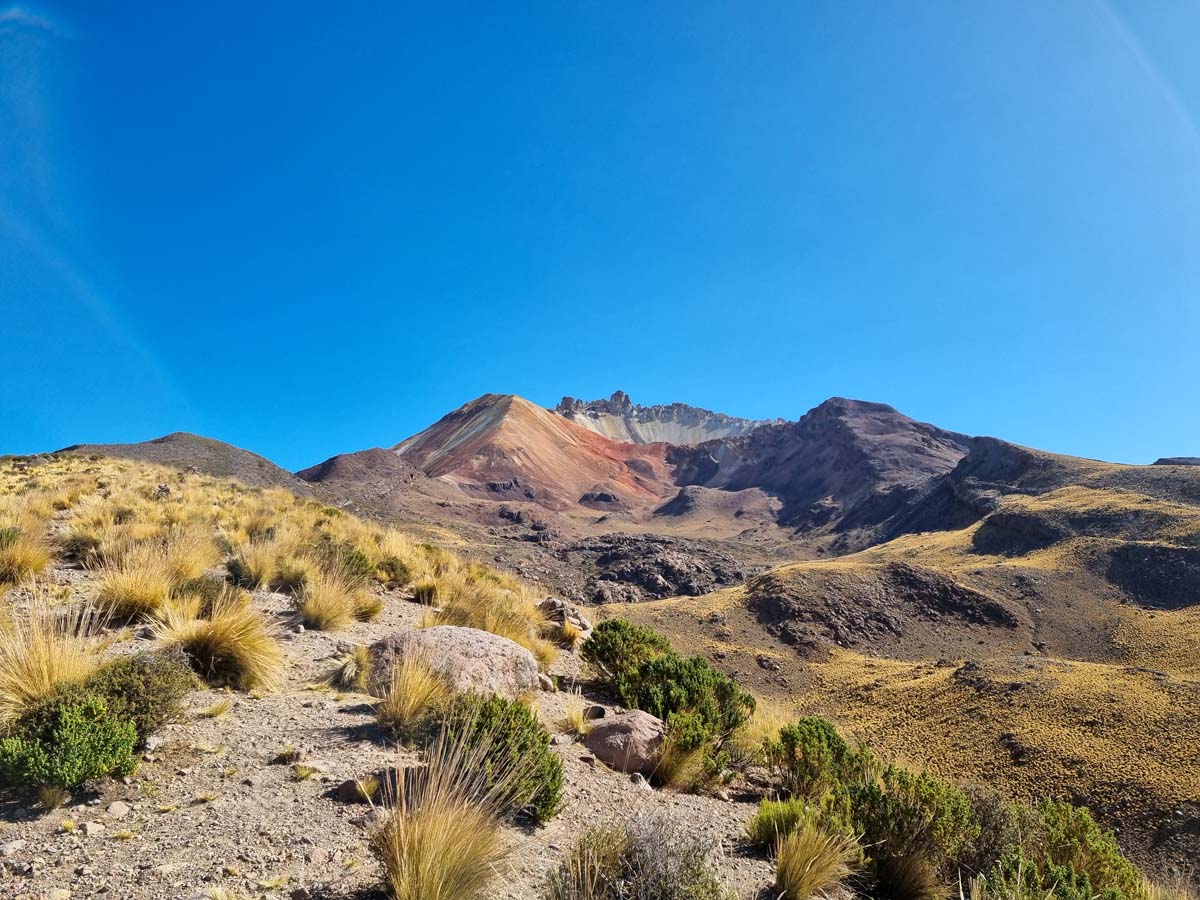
<point>235,646</point>
<point>352,671</point>
<point>809,861</point>
<point>135,586</point>
<point>414,692</point>
<point>43,649</point>
<point>441,839</point>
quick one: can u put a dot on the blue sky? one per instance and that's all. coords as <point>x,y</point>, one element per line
<point>312,228</point>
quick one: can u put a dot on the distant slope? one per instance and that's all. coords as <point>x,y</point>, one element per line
<point>619,419</point>
<point>181,450</point>
<point>504,448</point>
<point>842,457</point>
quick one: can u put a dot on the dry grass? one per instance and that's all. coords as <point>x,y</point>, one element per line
<point>353,669</point>
<point>329,600</point>
<point>442,840</point>
<point>135,586</point>
<point>293,572</point>
<point>254,564</point>
<point>413,691</point>
<point>682,769</point>
<point>810,862</point>
<point>189,553</point>
<point>43,648</point>
<point>235,646</point>
<point>1177,887</point>
<point>573,720</point>
<point>474,602</point>
<point>425,591</point>
<point>23,553</point>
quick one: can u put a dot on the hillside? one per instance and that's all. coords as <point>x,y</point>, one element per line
<point>181,450</point>
<point>1048,605</point>
<point>843,465</point>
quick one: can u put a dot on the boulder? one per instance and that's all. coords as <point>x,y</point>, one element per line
<point>629,741</point>
<point>469,659</point>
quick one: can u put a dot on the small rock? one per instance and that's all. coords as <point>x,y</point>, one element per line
<point>91,829</point>
<point>11,848</point>
<point>546,683</point>
<point>640,781</point>
<point>371,820</point>
<point>117,809</point>
<point>59,894</point>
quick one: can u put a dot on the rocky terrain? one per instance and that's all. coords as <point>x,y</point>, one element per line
<point>622,420</point>
<point>993,612</point>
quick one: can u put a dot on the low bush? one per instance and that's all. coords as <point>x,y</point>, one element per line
<point>1074,841</point>
<point>809,757</point>
<point>648,857</point>
<point>65,742</point>
<point>618,646</point>
<point>146,689</point>
<point>514,740</point>
<point>700,703</point>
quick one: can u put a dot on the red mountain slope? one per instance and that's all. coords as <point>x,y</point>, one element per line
<point>503,446</point>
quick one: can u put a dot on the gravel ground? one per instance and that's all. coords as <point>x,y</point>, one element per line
<point>206,808</point>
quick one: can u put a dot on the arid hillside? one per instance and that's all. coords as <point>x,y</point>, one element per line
<point>1045,635</point>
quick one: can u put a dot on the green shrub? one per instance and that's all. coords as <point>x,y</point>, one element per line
<point>809,757</point>
<point>205,588</point>
<point>65,742</point>
<point>394,572</point>
<point>687,694</point>
<point>514,740</point>
<point>1005,827</point>
<point>1075,841</point>
<point>831,814</point>
<point>146,689</point>
<point>901,809</point>
<point>1019,878</point>
<point>618,646</point>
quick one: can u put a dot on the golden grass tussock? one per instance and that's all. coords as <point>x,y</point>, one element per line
<point>441,839</point>
<point>135,586</point>
<point>574,721</point>
<point>190,552</point>
<point>413,691</point>
<point>23,552</point>
<point>810,862</point>
<point>42,648</point>
<point>352,671</point>
<point>234,647</point>
<point>329,601</point>
<point>253,565</point>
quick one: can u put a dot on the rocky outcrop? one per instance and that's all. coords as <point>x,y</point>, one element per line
<point>631,568</point>
<point>628,742</point>
<point>815,607</point>
<point>469,659</point>
<point>620,419</point>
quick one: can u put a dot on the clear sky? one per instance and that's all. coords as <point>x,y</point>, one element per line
<point>309,228</point>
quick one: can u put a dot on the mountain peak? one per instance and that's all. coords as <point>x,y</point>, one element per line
<point>620,419</point>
